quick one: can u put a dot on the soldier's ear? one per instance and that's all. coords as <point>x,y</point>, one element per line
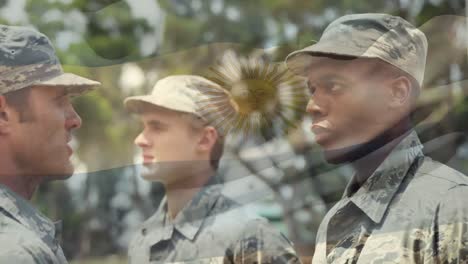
<point>400,89</point>
<point>208,138</point>
<point>4,116</point>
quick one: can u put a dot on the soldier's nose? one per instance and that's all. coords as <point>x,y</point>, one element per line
<point>315,109</point>
<point>141,141</point>
<point>73,120</point>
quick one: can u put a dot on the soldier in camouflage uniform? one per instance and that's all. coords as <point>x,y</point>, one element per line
<point>36,120</point>
<point>365,74</point>
<point>195,222</point>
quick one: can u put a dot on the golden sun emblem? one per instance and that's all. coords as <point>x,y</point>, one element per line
<point>258,98</point>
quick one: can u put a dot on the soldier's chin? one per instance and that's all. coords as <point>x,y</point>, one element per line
<point>59,175</point>
<point>333,153</point>
<point>342,155</point>
<point>151,172</point>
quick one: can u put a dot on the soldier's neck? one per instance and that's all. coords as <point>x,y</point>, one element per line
<point>15,176</point>
<point>381,147</point>
<point>368,164</point>
<point>17,180</point>
<point>181,193</point>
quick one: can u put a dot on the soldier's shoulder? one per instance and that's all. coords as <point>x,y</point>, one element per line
<point>9,225</point>
<point>18,244</point>
<point>18,252</point>
<point>237,217</point>
<point>439,175</point>
<point>259,238</point>
<point>431,182</point>
<point>229,207</point>
<point>261,227</point>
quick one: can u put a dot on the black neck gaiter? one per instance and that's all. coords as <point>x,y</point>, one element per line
<point>356,152</point>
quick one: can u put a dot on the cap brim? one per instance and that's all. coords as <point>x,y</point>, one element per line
<point>74,83</point>
<point>299,61</point>
<point>134,103</point>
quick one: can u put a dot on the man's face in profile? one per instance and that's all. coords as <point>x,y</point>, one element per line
<point>168,144</point>
<point>348,103</point>
<point>41,143</point>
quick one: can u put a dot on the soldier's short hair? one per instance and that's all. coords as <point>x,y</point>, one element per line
<point>197,124</point>
<point>19,100</point>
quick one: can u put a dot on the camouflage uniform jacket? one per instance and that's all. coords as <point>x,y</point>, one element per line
<point>26,236</point>
<point>210,229</point>
<point>410,210</point>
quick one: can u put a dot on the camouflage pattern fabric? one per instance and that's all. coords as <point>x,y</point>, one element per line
<point>23,58</point>
<point>210,229</point>
<point>26,236</point>
<point>410,210</point>
<point>388,38</point>
<point>28,58</point>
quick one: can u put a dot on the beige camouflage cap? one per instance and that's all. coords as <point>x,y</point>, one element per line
<point>385,37</point>
<point>184,93</point>
<point>28,58</point>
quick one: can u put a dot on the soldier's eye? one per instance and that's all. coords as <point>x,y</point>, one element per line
<point>62,100</point>
<point>311,88</point>
<point>156,126</point>
<point>333,86</point>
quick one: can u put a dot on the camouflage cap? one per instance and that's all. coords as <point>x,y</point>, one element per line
<point>184,93</point>
<point>388,38</point>
<point>28,58</point>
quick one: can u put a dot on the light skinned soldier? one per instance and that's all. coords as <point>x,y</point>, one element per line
<point>36,122</point>
<point>196,222</point>
<point>365,74</point>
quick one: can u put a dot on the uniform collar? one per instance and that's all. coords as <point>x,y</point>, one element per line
<point>22,211</point>
<point>189,220</point>
<point>375,195</point>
